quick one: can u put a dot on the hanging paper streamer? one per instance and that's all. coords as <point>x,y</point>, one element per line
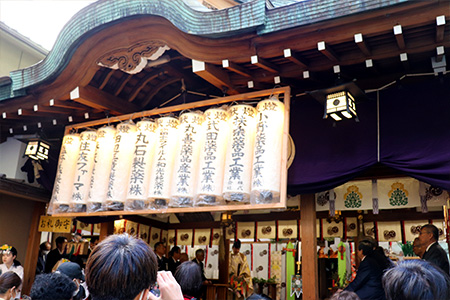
<point>190,134</point>
<point>216,132</point>
<point>162,166</point>
<point>238,166</point>
<point>375,196</point>
<point>124,142</point>
<point>62,191</point>
<point>266,173</point>
<point>83,172</point>
<point>101,170</point>
<point>137,196</point>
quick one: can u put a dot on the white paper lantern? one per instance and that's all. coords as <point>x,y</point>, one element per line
<point>102,168</point>
<point>124,141</point>
<point>84,166</point>
<point>62,190</point>
<point>162,166</point>
<point>267,152</point>
<point>238,164</point>
<point>186,159</point>
<point>137,195</point>
<point>216,130</point>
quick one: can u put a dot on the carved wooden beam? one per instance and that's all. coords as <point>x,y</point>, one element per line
<point>98,99</point>
<point>257,61</point>
<point>440,28</point>
<point>214,75</point>
<point>290,55</point>
<point>68,104</point>
<point>235,68</point>
<point>398,32</point>
<point>327,51</point>
<point>362,45</point>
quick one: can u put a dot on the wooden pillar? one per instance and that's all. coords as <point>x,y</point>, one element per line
<point>106,229</point>
<point>224,257</point>
<point>309,247</point>
<point>31,256</point>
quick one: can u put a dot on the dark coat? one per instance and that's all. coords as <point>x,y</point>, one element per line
<point>202,268</point>
<point>163,263</point>
<point>367,283</point>
<point>173,265</point>
<point>40,267</point>
<point>52,258</point>
<point>437,256</point>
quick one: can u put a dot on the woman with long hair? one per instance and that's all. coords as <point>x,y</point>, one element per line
<point>9,285</point>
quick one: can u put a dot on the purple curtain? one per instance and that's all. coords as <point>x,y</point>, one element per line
<point>414,138</point>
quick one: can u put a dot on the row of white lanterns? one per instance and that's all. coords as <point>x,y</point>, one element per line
<point>211,158</point>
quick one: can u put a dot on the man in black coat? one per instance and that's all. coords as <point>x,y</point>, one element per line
<point>56,254</point>
<point>367,283</point>
<point>428,237</point>
<point>160,251</point>
<point>174,256</point>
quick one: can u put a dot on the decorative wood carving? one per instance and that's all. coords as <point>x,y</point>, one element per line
<point>155,236</point>
<point>184,237</point>
<point>202,239</point>
<point>133,59</point>
<point>266,230</point>
<point>287,231</point>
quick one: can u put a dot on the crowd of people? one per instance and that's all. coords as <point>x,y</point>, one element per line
<point>122,268</point>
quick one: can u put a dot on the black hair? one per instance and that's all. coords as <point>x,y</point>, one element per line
<point>43,246</point>
<point>120,267</point>
<point>52,286</point>
<point>189,277</point>
<point>433,229</point>
<point>9,280</point>
<point>198,251</point>
<point>345,295</point>
<point>175,249</point>
<point>237,244</point>
<point>158,244</point>
<point>60,240</point>
<point>416,280</point>
<point>94,239</point>
<point>366,247</point>
<point>16,263</point>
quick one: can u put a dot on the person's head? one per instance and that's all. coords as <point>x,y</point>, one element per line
<point>45,247</point>
<point>184,257</point>
<point>371,240</point>
<point>365,248</point>
<point>160,248</point>
<point>9,255</point>
<point>416,280</point>
<point>428,235</point>
<point>93,242</point>
<point>175,252</point>
<point>73,271</point>
<point>60,242</point>
<point>52,286</point>
<point>77,237</point>
<point>121,268</point>
<point>236,246</point>
<point>189,277</point>
<point>9,283</point>
<point>200,254</point>
<point>345,295</point>
<point>417,248</point>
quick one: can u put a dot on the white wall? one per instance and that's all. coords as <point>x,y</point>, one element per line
<point>11,158</point>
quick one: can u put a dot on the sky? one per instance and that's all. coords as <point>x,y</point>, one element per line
<point>39,20</point>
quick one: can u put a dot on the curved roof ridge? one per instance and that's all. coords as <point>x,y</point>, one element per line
<point>219,23</point>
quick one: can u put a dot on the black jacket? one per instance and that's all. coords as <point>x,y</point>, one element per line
<point>437,256</point>
<point>367,283</point>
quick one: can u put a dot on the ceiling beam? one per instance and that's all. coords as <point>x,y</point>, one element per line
<point>215,76</point>
<point>398,32</point>
<point>290,55</point>
<point>327,51</point>
<point>143,82</point>
<point>362,44</point>
<point>155,90</point>
<point>105,78</point>
<point>68,104</point>
<point>263,64</point>
<point>122,83</point>
<point>229,65</point>
<point>440,28</point>
<point>98,99</point>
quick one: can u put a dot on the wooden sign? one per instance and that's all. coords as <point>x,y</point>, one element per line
<point>55,224</point>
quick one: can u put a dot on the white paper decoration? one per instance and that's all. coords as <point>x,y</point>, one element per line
<point>186,159</point>
<point>238,164</point>
<point>83,172</point>
<point>137,195</point>
<point>212,157</point>
<point>62,190</point>
<point>266,176</point>
<point>102,168</point>
<point>162,166</point>
<point>121,166</point>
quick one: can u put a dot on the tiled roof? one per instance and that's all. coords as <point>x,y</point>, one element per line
<point>249,16</point>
